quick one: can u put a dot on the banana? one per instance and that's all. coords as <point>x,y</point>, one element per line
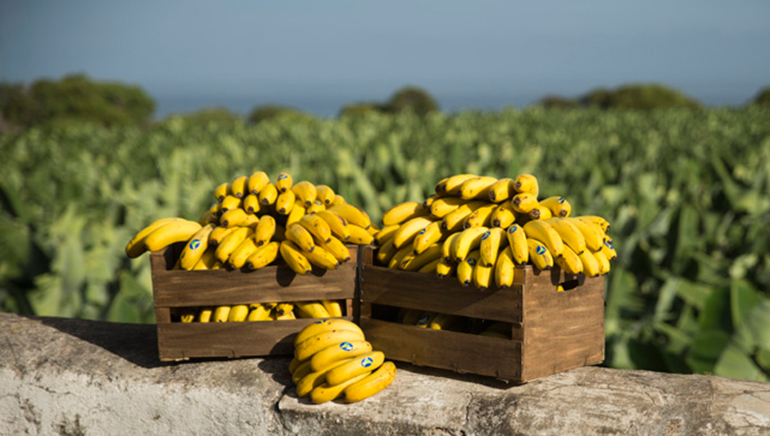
<point>505,269</point>
<point>540,212</point>
<point>477,187</point>
<point>263,256</point>
<point>204,314</point>
<point>222,191</point>
<point>299,235</point>
<point>409,230</point>
<point>315,379</point>
<point>302,370</point>
<point>543,232</point>
<point>385,234</point>
<point>337,249</point>
<point>268,194</point>
<point>480,217</point>
<point>428,236</point>
<point>207,217</point>
<point>338,200</point>
<point>503,216</point>
<point>491,242</point>
<point>325,194</point>
<point>591,267</point>
<point>216,209</point>
<point>296,213</point>
<point>524,202</point>
<point>373,229</point>
<point>234,218</point>
<point>305,192</point>
<point>221,314</point>
<point>285,202</point>
<point>469,239</point>
<point>187,315</point>
<point>135,246</point>
<point>238,313</point>
<point>311,309</point>
<point>604,263</point>
<point>321,258</point>
<point>362,364</point>
<point>430,267</point>
<point>599,221</point>
<point>336,222</point>
<point>466,266</point>
<point>451,185</point>
<point>207,260</point>
<point>569,262</point>
<point>307,348</point>
<point>331,356</point>
<point>294,364</point>
<point>238,186</point>
<point>359,235</point>
<point>526,183</point>
<point>256,182</point>
<point>442,207</point>
<point>317,206</point>
<point>386,252</point>
<point>517,240</point>
<point>316,226</point>
<point>445,268</point>
<point>446,247</point>
<point>483,276</point>
<point>242,253</point>
<point>326,392</point>
<point>294,258</point>
<point>501,190</point>
<point>251,204</point>
<point>352,215</point>
<point>397,258</point>
<point>170,233</point>
<point>609,251</point>
<point>558,206</point>
<point>265,230</point>
<point>333,307</point>
<point>230,202</point>
<point>443,321</point>
<point>284,311</point>
<point>418,261</point>
<point>539,255</point>
<point>592,233</point>
<point>410,316</point>
<point>283,182</point>
<point>231,242</point>
<point>403,212</point>
<point>453,221</point>
<point>258,312</point>
<point>569,233</point>
<point>428,201</point>
<point>327,326</point>
<point>219,234</point>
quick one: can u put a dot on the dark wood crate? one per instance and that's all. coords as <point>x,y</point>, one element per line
<point>174,289</point>
<point>551,331</point>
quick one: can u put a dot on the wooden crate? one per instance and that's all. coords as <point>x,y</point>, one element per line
<point>174,289</point>
<point>551,331</point>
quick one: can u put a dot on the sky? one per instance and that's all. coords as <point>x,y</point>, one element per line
<point>319,55</point>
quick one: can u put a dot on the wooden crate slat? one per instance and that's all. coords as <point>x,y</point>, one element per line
<point>453,351</point>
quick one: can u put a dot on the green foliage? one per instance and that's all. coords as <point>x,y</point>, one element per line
<point>74,97</point>
<point>687,193</point>
<point>557,102</point>
<point>273,112</point>
<point>412,99</point>
<point>763,97</point>
<point>637,96</point>
<point>361,110</point>
<point>217,115</point>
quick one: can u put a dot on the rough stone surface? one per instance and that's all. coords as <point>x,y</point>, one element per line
<point>72,377</point>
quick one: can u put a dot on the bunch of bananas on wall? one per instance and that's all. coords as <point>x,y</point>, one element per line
<point>256,220</point>
<point>454,323</point>
<point>332,359</point>
<point>480,228</point>
<point>260,311</point>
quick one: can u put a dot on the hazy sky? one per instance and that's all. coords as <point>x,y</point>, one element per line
<point>471,53</point>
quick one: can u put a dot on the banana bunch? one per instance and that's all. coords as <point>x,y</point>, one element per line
<point>480,228</point>
<point>261,311</point>
<point>254,221</point>
<point>332,359</point>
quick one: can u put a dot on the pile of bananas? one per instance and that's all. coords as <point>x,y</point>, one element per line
<point>333,359</point>
<point>480,228</point>
<point>260,311</point>
<point>455,323</point>
<point>254,220</point>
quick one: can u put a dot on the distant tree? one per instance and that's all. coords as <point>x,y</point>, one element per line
<point>601,98</point>
<point>361,109</point>
<point>217,115</point>
<point>638,96</point>
<point>74,97</point>
<point>272,112</point>
<point>763,97</point>
<point>557,102</point>
<point>412,99</point>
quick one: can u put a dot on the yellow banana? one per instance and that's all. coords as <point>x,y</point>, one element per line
<point>265,230</point>
<point>315,379</point>
<point>445,268</point>
<point>373,229</point>
<point>419,260</point>
<point>477,187</point>
<point>540,212</point>
<point>604,263</point>
<point>503,216</point>
<point>316,226</point>
<point>301,371</point>
<point>446,246</point>
<point>238,313</point>
<point>359,235</point>
<point>307,348</point>
<point>187,315</point>
<point>558,206</point>
<point>601,222</point>
<point>483,276</point>
<point>171,233</point>
<point>230,202</point>
<point>204,314</point>
<point>296,213</point>
<point>410,316</point>
<point>326,392</point>
<point>442,207</point>
<point>242,252</point>
<point>219,234</point>
<point>352,215</point>
<point>251,204</point>
<point>592,233</point>
<point>539,255</point>
<point>207,217</point>
<point>385,233</point>
<point>321,258</point>
<point>299,235</point>
<point>284,311</point>
<point>526,183</point>
<point>451,185</point>
<point>501,190</point>
<point>505,269</point>
<point>221,313</point>
<point>405,251</point>
<point>591,267</point>
<point>469,240</point>
<point>256,182</point>
<point>466,266</point>
<point>491,242</point>
<point>338,200</point>
<point>543,232</point>
<point>569,233</point>
<point>362,364</point>
<point>609,251</point>
<point>231,242</point>
<point>311,309</point>
<point>268,194</point>
<point>284,203</point>
<point>283,182</point>
<point>325,194</point>
<point>337,224</point>
<point>135,246</point>
<point>222,191</point>
<point>294,258</point>
<point>517,240</point>
<point>333,307</point>
<point>481,217</point>
<point>443,321</point>
<point>430,267</point>
<point>453,221</point>
<point>263,256</point>
<point>337,249</point>
<point>233,218</point>
<point>258,312</point>
<point>317,206</point>
<point>386,252</point>
<point>327,326</point>
<point>408,230</point>
<point>371,384</point>
<point>207,260</point>
<point>428,201</point>
<point>330,356</point>
<point>524,202</point>
<point>428,236</point>
<point>238,186</point>
<point>569,261</point>
<point>305,192</point>
<point>403,212</point>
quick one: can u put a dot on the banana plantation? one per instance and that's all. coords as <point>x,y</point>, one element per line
<point>687,193</point>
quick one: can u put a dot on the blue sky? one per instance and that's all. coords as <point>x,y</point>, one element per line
<point>468,54</point>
